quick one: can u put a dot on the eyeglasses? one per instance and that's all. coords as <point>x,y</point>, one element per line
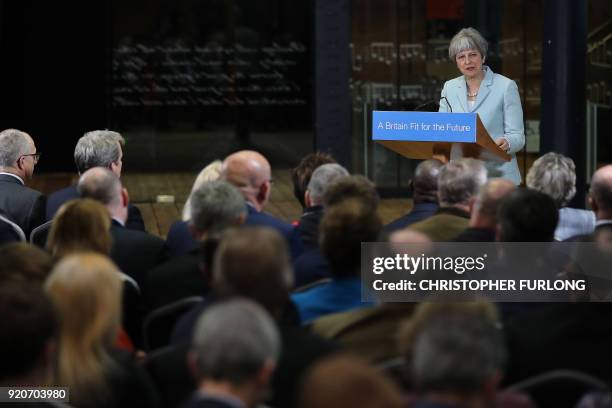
<point>35,156</point>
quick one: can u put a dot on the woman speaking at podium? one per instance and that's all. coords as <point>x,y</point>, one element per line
<point>494,97</point>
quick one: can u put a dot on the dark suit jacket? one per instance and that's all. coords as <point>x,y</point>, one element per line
<point>476,235</point>
<point>179,239</point>
<point>444,225</point>
<point>198,401</point>
<point>308,228</point>
<point>136,252</point>
<point>59,197</point>
<point>262,219</point>
<point>22,205</point>
<point>419,212</point>
<point>176,279</point>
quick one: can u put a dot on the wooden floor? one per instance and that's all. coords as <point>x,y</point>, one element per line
<point>148,191</point>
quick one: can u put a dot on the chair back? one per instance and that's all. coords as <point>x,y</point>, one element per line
<point>39,235</point>
<point>10,231</point>
<point>559,388</point>
<point>158,325</point>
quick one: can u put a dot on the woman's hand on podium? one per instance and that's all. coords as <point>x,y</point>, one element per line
<point>503,144</point>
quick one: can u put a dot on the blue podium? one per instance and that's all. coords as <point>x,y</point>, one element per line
<point>442,135</point>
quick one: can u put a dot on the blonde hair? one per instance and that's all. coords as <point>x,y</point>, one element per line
<point>80,225</point>
<point>209,173</point>
<point>86,292</point>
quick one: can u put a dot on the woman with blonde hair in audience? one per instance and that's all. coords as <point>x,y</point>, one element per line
<point>80,225</point>
<point>85,290</point>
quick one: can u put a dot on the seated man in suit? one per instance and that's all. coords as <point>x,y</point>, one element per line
<point>234,353</point>
<point>458,183</point>
<point>20,204</point>
<point>600,198</point>
<point>215,206</point>
<point>302,173</point>
<point>134,252</point>
<point>483,218</point>
<point>250,172</point>
<point>98,148</point>
<point>424,195</point>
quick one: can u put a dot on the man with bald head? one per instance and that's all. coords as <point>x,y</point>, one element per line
<point>22,205</point>
<point>424,195</point>
<point>483,219</point>
<point>600,198</point>
<point>250,172</point>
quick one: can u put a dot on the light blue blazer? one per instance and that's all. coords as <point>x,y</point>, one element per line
<point>499,106</point>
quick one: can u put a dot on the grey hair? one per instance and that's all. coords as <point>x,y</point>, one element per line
<point>13,144</point>
<point>209,173</point>
<point>323,177</point>
<point>457,353</point>
<point>100,184</point>
<point>554,174</point>
<point>467,39</point>
<point>460,180</point>
<point>216,206</point>
<point>233,340</point>
<point>98,148</point>
<point>425,181</point>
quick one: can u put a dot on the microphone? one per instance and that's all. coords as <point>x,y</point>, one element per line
<point>448,103</point>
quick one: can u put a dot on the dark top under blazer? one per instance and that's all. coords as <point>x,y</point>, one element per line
<point>21,204</point>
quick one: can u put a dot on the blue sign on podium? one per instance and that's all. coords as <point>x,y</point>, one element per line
<point>424,126</point>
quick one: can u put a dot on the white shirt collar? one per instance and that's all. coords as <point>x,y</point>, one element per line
<point>13,175</point>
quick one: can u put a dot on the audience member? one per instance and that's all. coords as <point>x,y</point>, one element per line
<point>235,349</point>
<point>555,175</point>
<point>356,187</point>
<point>28,330</point>
<point>86,292</point>
<point>424,195</point>
<point>600,198</point>
<point>311,265</point>
<point>215,206</point>
<point>343,382</point>
<point>102,185</point>
<point>458,183</point>
<point>457,360</point>
<point>301,174</point>
<point>343,228</point>
<point>80,225</point>
<point>483,219</point>
<point>19,203</point>
<point>98,148</point>
<point>323,177</point>
<point>250,172</point>
<point>179,239</point>
<point>25,263</point>
<point>527,215</point>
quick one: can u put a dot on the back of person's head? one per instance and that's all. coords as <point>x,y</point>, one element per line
<point>234,342</point>
<point>209,173</point>
<point>425,181</point>
<point>13,144</point>
<point>27,329</point>
<point>489,199</point>
<point>80,225</point>
<point>301,174</point>
<point>25,263</point>
<point>343,228</point>
<point>100,184</point>
<point>527,215</point>
<point>461,354</point>
<point>352,187</point>
<point>346,382</point>
<point>601,192</point>
<point>324,176</point>
<point>215,206</point>
<point>98,148</point>
<point>253,262</point>
<point>459,180</point>
<point>555,175</point>
<point>86,292</point>
<point>250,172</point>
